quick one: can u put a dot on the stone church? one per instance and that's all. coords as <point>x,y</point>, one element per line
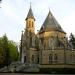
<point>49,47</point>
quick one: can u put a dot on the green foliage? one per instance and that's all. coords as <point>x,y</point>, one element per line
<point>1,53</point>
<point>8,51</point>
<point>72,40</point>
<point>13,51</point>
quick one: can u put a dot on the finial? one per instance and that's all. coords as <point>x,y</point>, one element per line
<point>49,9</point>
<point>22,31</point>
<point>0,3</point>
<point>50,12</point>
<point>30,4</point>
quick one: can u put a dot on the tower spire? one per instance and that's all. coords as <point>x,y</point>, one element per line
<point>30,20</point>
<point>30,4</point>
<point>30,13</point>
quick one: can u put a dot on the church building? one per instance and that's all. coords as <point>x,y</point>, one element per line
<point>49,47</point>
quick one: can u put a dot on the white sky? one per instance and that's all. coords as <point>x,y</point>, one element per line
<point>14,12</point>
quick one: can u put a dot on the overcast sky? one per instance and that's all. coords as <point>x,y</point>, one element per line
<point>14,12</point>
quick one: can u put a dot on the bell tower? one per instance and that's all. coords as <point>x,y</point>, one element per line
<point>30,20</point>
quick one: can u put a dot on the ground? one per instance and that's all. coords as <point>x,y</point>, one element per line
<point>20,74</point>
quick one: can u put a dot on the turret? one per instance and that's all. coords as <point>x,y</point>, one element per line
<point>30,21</point>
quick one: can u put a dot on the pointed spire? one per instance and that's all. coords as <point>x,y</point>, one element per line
<point>22,35</point>
<point>30,4</point>
<point>51,24</point>
<point>22,31</point>
<point>30,14</point>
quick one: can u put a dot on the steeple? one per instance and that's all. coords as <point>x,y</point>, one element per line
<point>51,24</point>
<point>22,36</point>
<point>30,14</point>
<point>30,21</point>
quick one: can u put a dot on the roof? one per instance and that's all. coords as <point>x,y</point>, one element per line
<point>50,24</point>
<point>30,14</point>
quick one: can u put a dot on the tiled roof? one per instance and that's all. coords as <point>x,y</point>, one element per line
<point>30,14</point>
<point>50,24</point>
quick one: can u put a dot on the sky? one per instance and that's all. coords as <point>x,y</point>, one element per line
<point>14,12</point>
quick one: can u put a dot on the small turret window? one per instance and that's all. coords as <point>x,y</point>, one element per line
<point>29,23</point>
<point>32,24</point>
<point>50,58</point>
<point>32,58</point>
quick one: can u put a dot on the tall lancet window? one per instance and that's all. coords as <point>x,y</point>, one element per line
<point>55,57</point>
<point>72,57</point>
<point>33,41</point>
<point>40,44</point>
<point>50,43</point>
<point>32,24</point>
<point>29,23</point>
<point>50,58</point>
<point>32,58</point>
<point>24,59</point>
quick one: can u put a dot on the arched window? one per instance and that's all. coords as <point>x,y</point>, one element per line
<point>38,60</point>
<point>32,58</point>
<point>29,23</point>
<point>42,39</point>
<point>24,59</point>
<point>50,58</point>
<point>72,57</point>
<point>50,43</point>
<point>33,41</point>
<point>55,57</point>
<point>30,41</point>
<point>32,24</point>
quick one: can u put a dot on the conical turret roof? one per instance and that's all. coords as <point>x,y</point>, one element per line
<point>50,24</point>
<point>30,14</point>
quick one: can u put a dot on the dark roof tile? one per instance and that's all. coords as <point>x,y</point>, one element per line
<point>30,14</point>
<point>50,24</point>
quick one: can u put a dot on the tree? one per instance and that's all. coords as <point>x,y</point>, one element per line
<point>72,41</point>
<point>14,54</point>
<point>6,50</point>
<point>1,53</point>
